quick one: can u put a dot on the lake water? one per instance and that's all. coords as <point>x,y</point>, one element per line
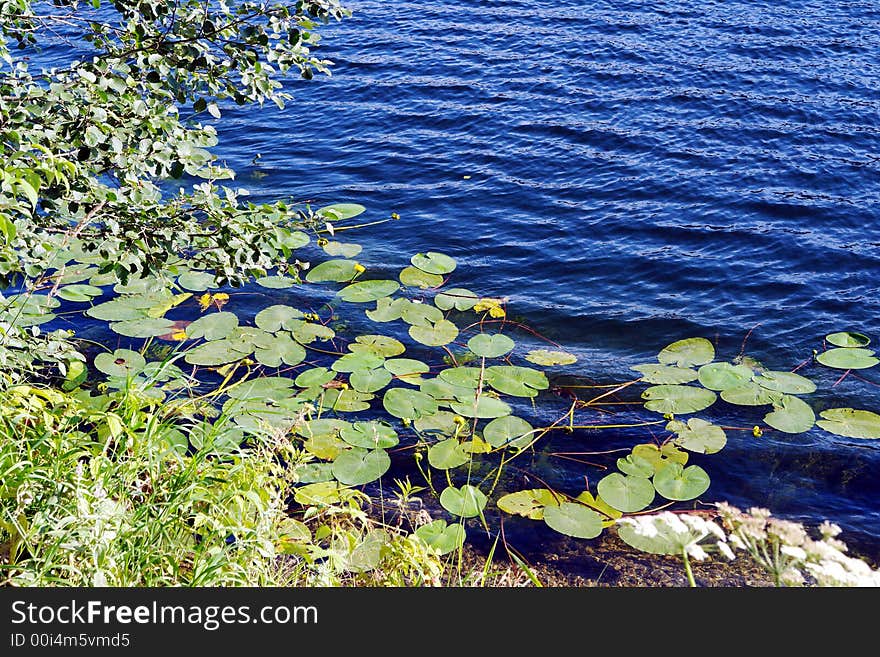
<point>628,174</point>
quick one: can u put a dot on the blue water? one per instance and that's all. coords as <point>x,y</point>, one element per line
<point>628,174</point>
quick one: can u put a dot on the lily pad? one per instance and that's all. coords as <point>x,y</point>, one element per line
<point>529,503</point>
<point>307,332</point>
<point>335,271</point>
<point>549,358</point>
<point>851,423</point>
<point>281,349</point>
<point>660,456</point>
<point>346,401</point>
<point>750,394</point>
<point>574,520</point>
<point>143,328</point>
<point>491,345</point>
<point>844,358</point>
<point>463,377</point>
<point>79,292</point>
<point>464,502</point>
<point>675,482</point>
<point>367,291</point>
<point>517,381</point>
<point>678,399</point>
<point>340,211</point>
<point>436,335</point>
<point>266,387</point>
<point>344,249</point>
<point>420,314</point>
<point>447,454</point>
<point>407,370</point>
<point>325,446</point>
<point>214,326</point>
<point>276,282</point>
<point>508,430</point>
<point>457,297</point>
<point>636,466</point>
<point>665,374</point>
<point>413,277</point>
<point>357,466</point>
<point>407,403</point>
<point>381,345</point>
<point>787,382</point>
<point>274,317</point>
<point>388,310</point>
<point>196,281</point>
<point>122,362</point>
<point>791,415</point>
<point>218,352</point>
<point>687,353</point>
<point>724,376</point>
<point>698,435</point>
<point>120,309</point>
<point>626,493</point>
<point>442,537</point>
<point>369,435</point>
<point>599,505</point>
<point>441,422</point>
<point>316,376</point>
<point>848,339</point>
<point>363,360</point>
<point>485,407</point>
<point>433,262</point>
<point>369,380</point>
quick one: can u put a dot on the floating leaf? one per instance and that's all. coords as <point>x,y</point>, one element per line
<point>407,370</point>
<point>447,454</point>
<point>280,349</point>
<point>463,377</point>
<point>678,399</point>
<point>380,345</point>
<point>325,446</point>
<point>433,262</point>
<point>122,362</point>
<point>346,250</point>
<point>356,466</point>
<point>599,505</point>
<point>366,291</point>
<point>308,332</point>
<point>79,292</point>
<point>311,473</point>
<point>548,358</point>
<point>369,380</point>
<point>851,423</point>
<point>324,493</point>
<point>407,403</point>
<point>436,335</point>
<point>335,271</point>
<point>574,520</point>
<point>265,388</point>
<point>636,466</point>
<point>215,326</point>
<point>517,381</point>
<point>340,211</point>
<point>625,493</point>
<point>369,435</point>
<point>332,426</point>
<point>675,482</point>
<point>687,353</point>
<point>724,376</point>
<point>508,430</point>
<point>787,382</point>
<point>484,407</point>
<point>656,373</point>
<point>443,391</point>
<point>276,282</point>
<point>118,310</point>
<point>274,317</point>
<point>457,297</point>
<point>491,345</point>
<point>196,281</point>
<point>848,339</point>
<point>698,435</point>
<point>317,376</point>
<point>660,456</point>
<point>215,353</point>
<point>529,503</point>
<point>791,415</point>
<point>346,401</point>
<point>442,537</point>
<point>363,360</point>
<point>420,314</point>
<point>464,502</point>
<point>441,422</point>
<point>142,328</point>
<point>412,277</point>
<point>750,394</point>
<point>388,310</point>
<point>843,358</point>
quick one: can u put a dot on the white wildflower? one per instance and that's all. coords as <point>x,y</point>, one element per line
<point>794,552</point>
<point>724,549</point>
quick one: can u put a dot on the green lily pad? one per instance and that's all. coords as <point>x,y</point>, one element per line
<point>357,466</point>
<point>122,362</point>
<point>724,376</point>
<point>687,353</point>
<point>311,473</point>
<point>340,211</point>
<point>276,282</point>
<point>442,537</point>
<point>307,332</point>
<point>457,297</point>
<point>848,339</point>
<point>844,358</point>
<point>665,374</point>
<point>267,387</point>
<point>678,400</point>
<point>433,262</point>
<point>626,493</point>
<point>791,415</point>
<point>281,349</point>
<point>447,454</point>
<point>574,520</point>
<point>464,502</point>
<point>196,281</point>
<point>462,377</point>
<point>335,271</point>
<point>143,285</point>
<point>412,277</point>
<point>420,314</point>
<point>143,328</point>
<point>407,403</point>
<point>79,292</point>
<point>344,249</point>
<point>698,435</point>
<point>491,345</point>
<point>273,318</point>
<point>508,430</point>
<point>369,380</point>
<point>529,503</point>
<point>443,391</point>
<point>436,335</point>
<point>388,310</point>
<point>316,376</point>
<point>851,423</point>
<point>485,407</point>
<point>599,505</point>
<point>332,426</point>
<point>441,422</point>
<point>325,446</point>
<point>346,401</point>
<point>214,326</point>
<point>381,345</point>
<point>363,360</point>
<point>324,493</point>
<point>218,352</point>
<point>517,381</point>
<point>660,456</point>
<point>367,291</point>
<point>636,466</point>
<point>675,482</point>
<point>120,309</point>
<point>750,394</point>
<point>787,382</point>
<point>407,370</point>
<point>549,358</point>
<point>369,435</point>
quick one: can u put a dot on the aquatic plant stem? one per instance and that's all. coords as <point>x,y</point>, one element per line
<point>687,569</point>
